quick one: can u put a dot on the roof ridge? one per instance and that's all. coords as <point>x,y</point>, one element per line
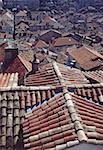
<point>89,85</point>
<point>26,88</point>
<point>60,77</point>
<point>74,116</point>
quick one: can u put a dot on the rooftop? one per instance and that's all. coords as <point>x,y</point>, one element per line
<point>8,80</point>
<point>56,74</point>
<point>64,121</point>
<point>87,58</point>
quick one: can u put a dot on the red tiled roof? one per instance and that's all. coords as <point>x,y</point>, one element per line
<point>94,94</point>
<point>87,58</point>
<point>26,63</point>
<point>27,55</point>
<point>20,65</point>
<point>63,120</point>
<point>40,44</point>
<point>13,104</point>
<point>95,75</point>
<point>64,41</point>
<point>48,35</point>
<point>8,79</point>
<point>49,125</point>
<point>48,76</point>
<point>92,119</point>
<point>72,75</point>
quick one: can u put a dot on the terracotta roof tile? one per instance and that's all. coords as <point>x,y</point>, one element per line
<point>76,119</point>
<point>64,41</point>
<point>94,94</point>
<point>50,128</point>
<point>47,75</point>
<point>27,64</point>
<point>72,75</point>
<point>94,75</point>
<point>8,79</point>
<point>87,58</point>
<point>91,115</point>
<point>49,19</point>
<point>63,119</point>
<point>2,51</point>
<point>13,105</point>
<point>40,44</point>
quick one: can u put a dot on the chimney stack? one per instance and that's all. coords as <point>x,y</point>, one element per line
<point>35,64</point>
<point>11,53</point>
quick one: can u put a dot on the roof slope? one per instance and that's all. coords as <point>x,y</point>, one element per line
<point>14,102</point>
<point>27,55</point>
<point>8,80</point>
<point>40,44</point>
<point>62,122</point>
<point>87,58</point>
<point>64,41</point>
<point>48,75</point>
<point>72,75</point>
<point>94,94</point>
<point>26,63</point>
<point>95,75</point>
<point>48,35</point>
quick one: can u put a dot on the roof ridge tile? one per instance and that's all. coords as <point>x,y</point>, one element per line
<point>74,116</point>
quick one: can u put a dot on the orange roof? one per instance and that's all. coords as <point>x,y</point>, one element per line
<point>8,79</point>
<point>93,94</point>
<point>87,58</point>
<point>12,101</point>
<point>47,75</point>
<point>63,41</point>
<point>62,122</point>
<point>28,55</point>
<point>26,63</point>
<point>40,44</point>
<point>95,75</point>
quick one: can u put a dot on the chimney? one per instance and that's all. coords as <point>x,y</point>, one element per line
<point>35,64</point>
<point>11,53</point>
